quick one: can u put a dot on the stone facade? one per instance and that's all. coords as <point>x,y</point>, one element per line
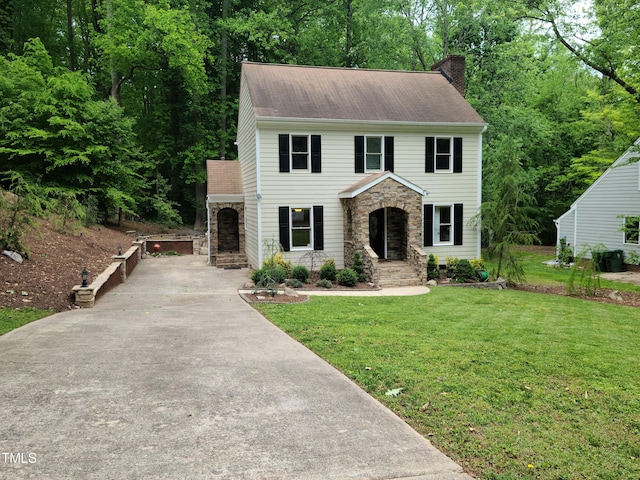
<point>404,224</point>
<point>226,236</point>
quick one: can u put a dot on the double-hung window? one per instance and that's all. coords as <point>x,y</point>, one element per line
<point>632,230</point>
<point>442,217</point>
<point>443,155</point>
<point>299,153</point>
<point>301,222</point>
<point>373,154</point>
<point>443,224</point>
<point>301,228</point>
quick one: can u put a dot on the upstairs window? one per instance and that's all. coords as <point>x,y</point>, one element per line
<point>443,155</point>
<point>299,153</point>
<point>373,154</point>
<point>632,230</point>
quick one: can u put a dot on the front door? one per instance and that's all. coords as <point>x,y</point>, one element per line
<point>377,232</point>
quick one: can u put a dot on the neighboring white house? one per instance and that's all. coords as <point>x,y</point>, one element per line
<point>606,215</point>
<point>387,163</point>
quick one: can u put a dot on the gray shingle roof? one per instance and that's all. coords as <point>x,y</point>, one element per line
<point>291,91</point>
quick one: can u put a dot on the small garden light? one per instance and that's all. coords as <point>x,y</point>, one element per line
<point>85,277</point>
<point>119,250</point>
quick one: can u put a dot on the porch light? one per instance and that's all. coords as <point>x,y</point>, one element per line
<point>85,277</point>
<point>297,210</point>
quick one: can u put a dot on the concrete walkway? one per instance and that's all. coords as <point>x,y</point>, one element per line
<point>174,376</point>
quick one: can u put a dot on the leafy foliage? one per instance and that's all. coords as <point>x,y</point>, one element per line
<point>433,270</point>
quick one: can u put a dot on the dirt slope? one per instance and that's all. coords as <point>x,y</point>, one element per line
<point>45,279</point>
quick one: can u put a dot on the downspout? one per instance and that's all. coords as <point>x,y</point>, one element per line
<point>208,233</point>
<point>258,199</point>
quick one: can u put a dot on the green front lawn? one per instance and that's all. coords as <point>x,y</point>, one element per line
<point>11,318</point>
<point>510,384</point>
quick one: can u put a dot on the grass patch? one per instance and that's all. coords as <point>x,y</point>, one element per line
<point>11,318</point>
<point>510,384</point>
<point>537,273</point>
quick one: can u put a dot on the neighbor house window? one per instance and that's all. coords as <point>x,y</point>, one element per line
<point>299,153</point>
<point>301,222</point>
<point>632,230</point>
<point>373,154</point>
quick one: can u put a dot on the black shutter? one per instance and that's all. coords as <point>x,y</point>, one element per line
<point>457,224</point>
<point>427,220</point>
<point>316,158</point>
<point>318,228</point>
<point>283,222</point>
<point>457,155</point>
<point>359,149</point>
<point>430,155</point>
<point>388,154</point>
<point>283,141</point>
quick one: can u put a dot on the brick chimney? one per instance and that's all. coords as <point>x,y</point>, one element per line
<point>452,67</point>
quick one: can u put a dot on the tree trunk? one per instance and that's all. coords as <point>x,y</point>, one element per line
<point>73,64</point>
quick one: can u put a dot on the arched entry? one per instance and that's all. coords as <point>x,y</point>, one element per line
<point>388,233</point>
<point>228,230</point>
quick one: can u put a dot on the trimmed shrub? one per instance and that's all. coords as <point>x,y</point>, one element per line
<point>347,277</point>
<point>433,270</point>
<point>358,266</point>
<point>324,283</point>
<point>328,270</point>
<point>300,273</point>
<point>464,271</point>
<point>294,283</point>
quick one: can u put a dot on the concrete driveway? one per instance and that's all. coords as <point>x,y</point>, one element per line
<point>173,376</point>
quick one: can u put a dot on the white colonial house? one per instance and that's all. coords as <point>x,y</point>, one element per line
<point>334,160</point>
<point>606,215</point>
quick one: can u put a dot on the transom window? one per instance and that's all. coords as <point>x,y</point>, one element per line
<point>373,154</point>
<point>632,230</point>
<point>301,222</point>
<point>443,154</point>
<point>442,223</point>
<point>300,152</point>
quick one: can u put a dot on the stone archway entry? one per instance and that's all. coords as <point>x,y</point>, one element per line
<point>228,231</point>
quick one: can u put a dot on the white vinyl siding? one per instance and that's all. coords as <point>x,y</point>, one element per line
<point>597,217</point>
<point>246,140</point>
<point>338,174</point>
